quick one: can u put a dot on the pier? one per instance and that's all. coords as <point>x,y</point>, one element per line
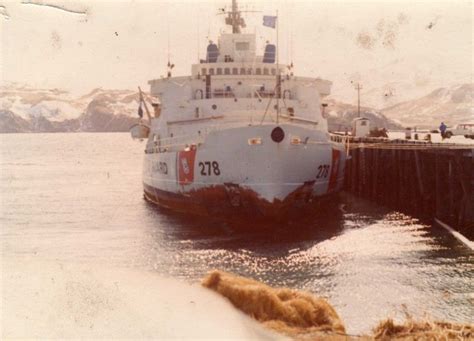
<point>426,180</point>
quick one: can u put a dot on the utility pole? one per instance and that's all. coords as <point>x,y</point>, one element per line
<point>358,87</point>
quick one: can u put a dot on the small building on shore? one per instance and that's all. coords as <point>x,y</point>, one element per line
<point>360,127</point>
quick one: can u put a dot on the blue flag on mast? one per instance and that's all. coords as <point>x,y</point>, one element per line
<point>269,20</point>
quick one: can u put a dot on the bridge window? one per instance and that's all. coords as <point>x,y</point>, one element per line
<point>242,71</point>
<point>203,71</point>
<point>227,71</point>
<point>249,71</point>
<point>258,71</point>
<point>211,71</point>
<point>265,71</point>
<point>219,71</point>
<point>235,71</point>
<point>273,72</point>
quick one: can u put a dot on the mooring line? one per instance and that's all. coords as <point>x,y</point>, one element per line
<point>456,234</point>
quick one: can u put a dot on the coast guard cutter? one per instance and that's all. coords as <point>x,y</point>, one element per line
<point>241,137</point>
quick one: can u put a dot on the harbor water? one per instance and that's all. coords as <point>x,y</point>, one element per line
<point>76,199</point>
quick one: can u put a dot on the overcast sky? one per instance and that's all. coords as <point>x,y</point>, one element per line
<point>122,44</point>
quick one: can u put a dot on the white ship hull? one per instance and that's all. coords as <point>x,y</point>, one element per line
<point>232,175</point>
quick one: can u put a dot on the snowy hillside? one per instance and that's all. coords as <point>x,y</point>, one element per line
<point>340,116</point>
<point>452,105</point>
<point>28,103</point>
<point>25,109</point>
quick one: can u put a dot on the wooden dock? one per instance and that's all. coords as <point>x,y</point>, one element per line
<point>427,180</point>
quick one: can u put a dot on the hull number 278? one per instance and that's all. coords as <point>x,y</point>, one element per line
<point>323,171</point>
<point>209,168</point>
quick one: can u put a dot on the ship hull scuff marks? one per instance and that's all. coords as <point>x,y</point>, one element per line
<point>234,202</point>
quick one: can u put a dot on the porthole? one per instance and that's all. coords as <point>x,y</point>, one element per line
<point>214,107</point>
<point>277,134</point>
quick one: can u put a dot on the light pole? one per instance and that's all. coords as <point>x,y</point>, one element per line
<point>358,87</point>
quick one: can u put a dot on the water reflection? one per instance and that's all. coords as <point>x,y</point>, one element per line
<point>370,262</point>
<point>207,233</point>
<point>88,207</point>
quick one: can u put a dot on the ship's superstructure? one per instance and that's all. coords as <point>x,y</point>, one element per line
<point>241,135</point>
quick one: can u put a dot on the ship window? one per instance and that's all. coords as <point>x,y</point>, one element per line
<point>219,71</point>
<point>273,72</point>
<point>242,46</point>
<point>227,71</point>
<point>211,71</point>
<point>242,71</point>
<point>203,71</point>
<point>249,71</point>
<point>258,71</point>
<point>235,71</point>
<point>265,71</point>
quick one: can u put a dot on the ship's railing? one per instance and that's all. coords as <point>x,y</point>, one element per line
<point>265,93</point>
<point>228,92</point>
<point>223,93</point>
<point>181,142</point>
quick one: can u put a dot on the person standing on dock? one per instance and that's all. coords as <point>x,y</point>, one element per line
<point>442,130</point>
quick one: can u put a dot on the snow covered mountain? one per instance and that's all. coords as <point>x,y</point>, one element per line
<point>340,116</point>
<point>451,105</point>
<point>25,109</point>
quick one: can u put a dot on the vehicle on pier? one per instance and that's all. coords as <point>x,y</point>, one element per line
<point>464,129</point>
<point>241,137</point>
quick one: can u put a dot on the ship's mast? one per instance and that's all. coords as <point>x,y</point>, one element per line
<point>234,19</point>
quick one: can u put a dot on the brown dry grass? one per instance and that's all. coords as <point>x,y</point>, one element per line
<point>303,316</point>
<point>286,311</point>
<point>423,330</point>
